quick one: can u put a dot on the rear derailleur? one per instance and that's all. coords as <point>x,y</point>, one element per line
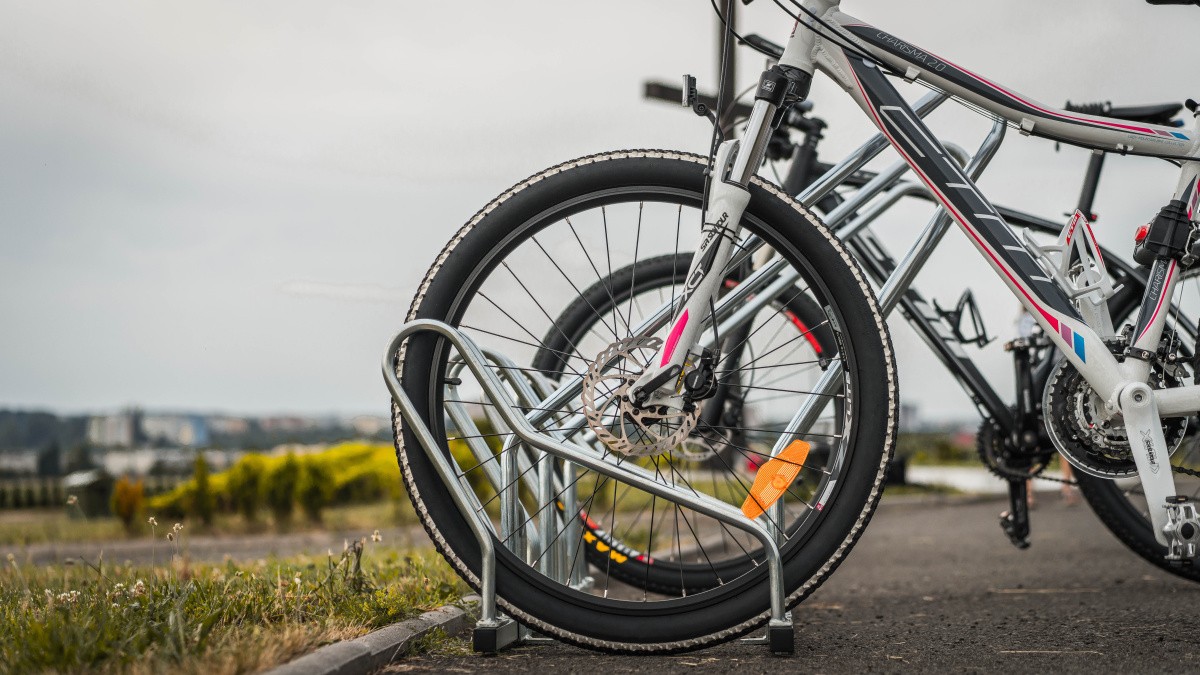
<point>1021,452</point>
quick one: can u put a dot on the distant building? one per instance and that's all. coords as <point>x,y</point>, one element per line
<point>287,424</point>
<point>369,425</point>
<point>19,462</point>
<point>228,426</point>
<point>189,431</point>
<point>132,429</point>
<point>115,431</point>
<point>130,462</point>
<point>910,418</point>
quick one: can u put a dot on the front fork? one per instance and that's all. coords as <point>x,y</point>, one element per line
<point>735,163</point>
<point>719,236</point>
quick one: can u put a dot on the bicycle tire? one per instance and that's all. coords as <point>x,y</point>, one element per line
<point>739,606</point>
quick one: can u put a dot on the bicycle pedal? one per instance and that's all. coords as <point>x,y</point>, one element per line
<point>1182,530</point>
<point>1017,535</point>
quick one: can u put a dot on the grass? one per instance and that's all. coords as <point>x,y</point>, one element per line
<point>438,643</point>
<point>18,528</point>
<point>211,619</point>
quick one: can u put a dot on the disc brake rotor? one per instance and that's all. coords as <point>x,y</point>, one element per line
<point>623,427</point>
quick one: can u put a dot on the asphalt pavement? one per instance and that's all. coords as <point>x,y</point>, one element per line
<point>936,587</point>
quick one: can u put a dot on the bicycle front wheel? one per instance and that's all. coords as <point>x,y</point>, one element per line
<point>507,276</point>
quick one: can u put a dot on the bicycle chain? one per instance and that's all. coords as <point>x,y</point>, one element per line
<point>1009,474</point>
<point>986,432</point>
<point>1190,472</point>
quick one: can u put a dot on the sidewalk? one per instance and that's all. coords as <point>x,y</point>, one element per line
<point>972,479</point>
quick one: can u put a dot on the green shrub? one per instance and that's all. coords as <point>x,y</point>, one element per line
<point>203,500</point>
<point>467,462</point>
<point>358,487</point>
<point>356,473</point>
<point>279,489</point>
<point>245,485</point>
<point>315,488</point>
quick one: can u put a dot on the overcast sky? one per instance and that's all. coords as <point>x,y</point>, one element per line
<point>227,205</point>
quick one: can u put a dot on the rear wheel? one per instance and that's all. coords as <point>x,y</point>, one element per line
<point>763,353</point>
<point>504,280</point>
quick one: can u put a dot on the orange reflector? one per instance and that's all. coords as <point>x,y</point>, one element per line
<point>774,478</point>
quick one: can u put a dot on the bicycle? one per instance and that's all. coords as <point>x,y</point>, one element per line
<point>639,400</point>
<point>1012,440</point>
<point>1118,504</point>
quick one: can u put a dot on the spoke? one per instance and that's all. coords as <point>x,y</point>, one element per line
<point>699,543</point>
<point>742,450</point>
<point>798,293</point>
<point>799,336</point>
<point>675,258</point>
<point>554,500</point>
<point>538,344</point>
<point>522,408</point>
<point>637,242</point>
<point>790,391</point>
<point>553,322</point>
<point>787,376</point>
<point>778,432</point>
<point>599,277</point>
<point>778,365</point>
<point>649,547</point>
<point>578,293</point>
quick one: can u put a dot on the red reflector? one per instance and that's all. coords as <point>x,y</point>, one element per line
<point>1141,233</point>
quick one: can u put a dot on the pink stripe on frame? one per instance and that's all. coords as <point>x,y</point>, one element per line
<point>673,338</point>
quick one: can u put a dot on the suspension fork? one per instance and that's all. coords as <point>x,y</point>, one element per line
<point>727,401</point>
<point>734,164</point>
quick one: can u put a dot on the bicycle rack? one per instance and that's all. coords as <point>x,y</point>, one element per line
<point>541,543</point>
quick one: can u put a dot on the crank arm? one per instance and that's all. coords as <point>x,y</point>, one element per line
<point>1150,453</point>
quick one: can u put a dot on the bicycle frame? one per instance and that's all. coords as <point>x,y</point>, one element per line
<point>1041,296</point>
<point>1120,385</point>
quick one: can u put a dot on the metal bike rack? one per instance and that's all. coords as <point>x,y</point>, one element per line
<point>495,631</point>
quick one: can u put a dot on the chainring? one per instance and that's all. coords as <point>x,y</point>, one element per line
<point>1001,458</point>
<point>1091,439</point>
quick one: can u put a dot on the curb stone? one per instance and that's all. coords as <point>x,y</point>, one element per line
<point>378,648</point>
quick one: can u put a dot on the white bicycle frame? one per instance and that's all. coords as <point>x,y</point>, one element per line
<point>1122,386</point>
